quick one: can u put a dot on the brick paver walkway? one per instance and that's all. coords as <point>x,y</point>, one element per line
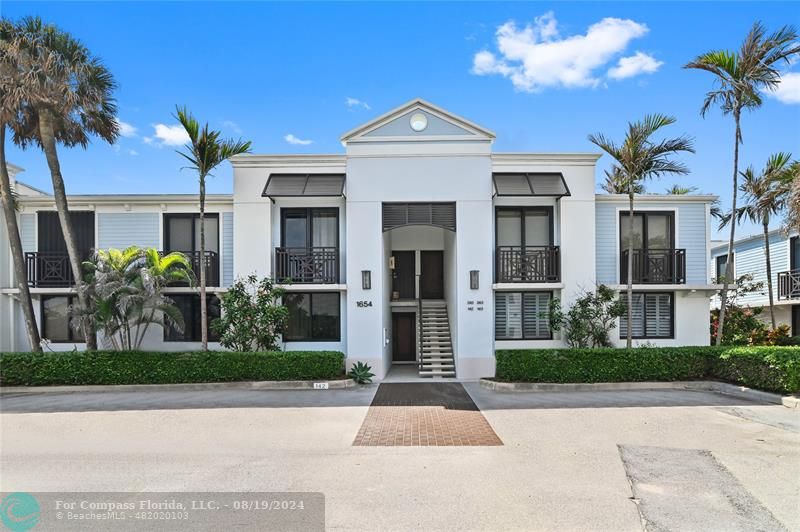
<point>424,414</point>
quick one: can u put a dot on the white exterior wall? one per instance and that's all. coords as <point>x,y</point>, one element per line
<point>144,215</point>
<point>420,171</point>
<point>450,162</point>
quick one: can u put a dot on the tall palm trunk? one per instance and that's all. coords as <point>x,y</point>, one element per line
<point>769,274</point>
<point>12,228</point>
<point>47,136</point>
<point>729,260</point>
<point>203,306</point>
<point>629,336</point>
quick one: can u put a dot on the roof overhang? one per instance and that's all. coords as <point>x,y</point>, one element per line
<point>539,184</point>
<point>286,185</point>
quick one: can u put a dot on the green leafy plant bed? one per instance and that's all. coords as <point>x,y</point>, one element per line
<point>775,369</point>
<point>138,367</point>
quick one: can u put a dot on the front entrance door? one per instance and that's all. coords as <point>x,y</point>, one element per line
<point>404,337</point>
<point>431,281</point>
<point>403,275</point>
<point>796,320</point>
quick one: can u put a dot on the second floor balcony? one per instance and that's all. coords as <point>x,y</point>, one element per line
<point>52,269</point>
<point>49,269</point>
<point>528,264</point>
<point>306,265</point>
<point>209,260</point>
<point>655,266</point>
<point>789,285</point>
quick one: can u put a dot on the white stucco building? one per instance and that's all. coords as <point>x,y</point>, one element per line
<point>417,245</point>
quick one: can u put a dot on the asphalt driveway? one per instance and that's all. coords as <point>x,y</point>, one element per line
<point>569,461</point>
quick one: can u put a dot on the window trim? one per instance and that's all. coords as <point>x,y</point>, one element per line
<point>311,314</point>
<point>43,326</point>
<point>195,306</point>
<point>644,317</point>
<point>521,210</point>
<point>308,211</point>
<point>717,261</point>
<point>522,316</point>
<point>645,214</point>
<point>192,216</point>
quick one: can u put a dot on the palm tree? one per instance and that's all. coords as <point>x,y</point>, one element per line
<point>12,228</point>
<point>739,79</point>
<point>615,183</point>
<point>125,289</point>
<point>69,99</point>
<point>786,194</point>
<point>205,151</point>
<point>9,103</point>
<point>681,190</point>
<point>638,159</point>
<point>760,204</point>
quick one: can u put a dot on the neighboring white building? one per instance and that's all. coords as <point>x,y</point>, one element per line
<point>749,257</point>
<point>417,215</point>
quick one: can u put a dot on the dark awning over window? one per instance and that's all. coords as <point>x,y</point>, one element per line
<point>530,184</point>
<point>436,214</point>
<point>294,185</point>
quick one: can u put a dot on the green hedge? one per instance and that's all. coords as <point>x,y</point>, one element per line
<point>131,367</point>
<point>767,368</point>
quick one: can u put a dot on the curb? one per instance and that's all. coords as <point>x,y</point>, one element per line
<point>724,388</point>
<point>322,385</point>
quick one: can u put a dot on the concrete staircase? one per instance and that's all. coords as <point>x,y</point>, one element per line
<point>436,359</point>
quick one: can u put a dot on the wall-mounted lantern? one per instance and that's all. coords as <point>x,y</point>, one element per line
<point>366,279</point>
<point>474,279</point>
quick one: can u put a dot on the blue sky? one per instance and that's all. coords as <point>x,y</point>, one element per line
<point>265,71</point>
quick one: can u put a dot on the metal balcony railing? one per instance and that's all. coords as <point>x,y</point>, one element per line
<point>655,266</point>
<point>49,269</point>
<point>307,265</point>
<point>528,264</point>
<point>789,285</point>
<point>210,261</point>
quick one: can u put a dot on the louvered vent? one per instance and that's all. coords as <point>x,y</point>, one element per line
<point>437,214</point>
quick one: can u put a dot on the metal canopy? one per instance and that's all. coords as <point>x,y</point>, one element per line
<point>530,184</point>
<point>296,185</point>
<point>436,214</point>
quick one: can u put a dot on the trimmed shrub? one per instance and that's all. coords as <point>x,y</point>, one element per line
<point>601,365</point>
<point>769,368</point>
<point>137,367</point>
<point>775,369</point>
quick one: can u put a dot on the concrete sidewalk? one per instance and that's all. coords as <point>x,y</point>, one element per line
<point>559,467</point>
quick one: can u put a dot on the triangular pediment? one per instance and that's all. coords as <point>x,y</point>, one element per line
<point>438,124</point>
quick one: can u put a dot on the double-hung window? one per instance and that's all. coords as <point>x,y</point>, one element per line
<point>521,316</point>
<point>56,325</point>
<point>652,315</point>
<point>313,316</point>
<point>189,307</point>
<point>721,264</point>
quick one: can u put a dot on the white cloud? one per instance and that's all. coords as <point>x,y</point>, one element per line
<point>166,135</point>
<point>788,90</point>
<point>639,63</point>
<point>233,126</point>
<point>133,153</point>
<point>126,129</point>
<point>355,102</point>
<point>291,139</point>
<point>537,56</point>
